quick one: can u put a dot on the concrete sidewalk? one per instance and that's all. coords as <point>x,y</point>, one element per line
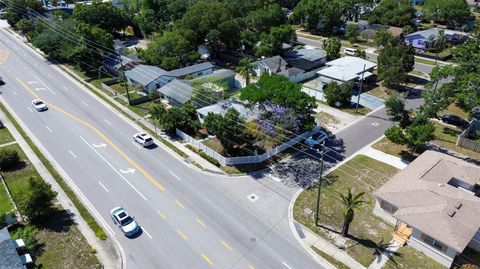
<point>311,239</point>
<point>380,261</point>
<point>384,157</point>
<point>108,252</point>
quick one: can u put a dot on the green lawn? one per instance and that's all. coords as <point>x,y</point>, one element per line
<point>455,109</point>
<point>391,148</point>
<point>5,204</point>
<point>424,61</point>
<point>381,92</point>
<point>369,234</point>
<point>447,137</point>
<point>144,108</point>
<point>60,243</point>
<point>5,136</point>
<point>326,119</point>
<point>407,257</point>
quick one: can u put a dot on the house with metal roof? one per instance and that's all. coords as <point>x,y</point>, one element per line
<point>221,108</point>
<point>434,204</point>
<point>422,40</point>
<point>193,71</point>
<point>347,69</point>
<point>177,92</point>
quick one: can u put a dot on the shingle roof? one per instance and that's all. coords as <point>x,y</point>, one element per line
<point>272,62</point>
<point>178,90</point>
<point>8,254</point>
<point>425,192</point>
<point>190,69</point>
<point>346,68</point>
<point>291,72</point>
<point>145,74</point>
<point>434,32</point>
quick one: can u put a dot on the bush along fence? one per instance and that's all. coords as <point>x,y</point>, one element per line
<point>463,140</point>
<point>243,159</point>
<point>106,86</point>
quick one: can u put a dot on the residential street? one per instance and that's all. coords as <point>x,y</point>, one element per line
<point>189,219</point>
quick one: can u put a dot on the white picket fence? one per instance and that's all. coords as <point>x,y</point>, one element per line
<point>243,159</point>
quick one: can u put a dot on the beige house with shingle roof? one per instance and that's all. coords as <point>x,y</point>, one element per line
<point>434,204</point>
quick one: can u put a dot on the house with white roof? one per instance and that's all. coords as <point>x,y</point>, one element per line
<point>345,70</point>
<point>434,204</point>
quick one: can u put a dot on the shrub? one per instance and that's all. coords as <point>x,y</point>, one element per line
<point>335,93</point>
<point>38,206</point>
<point>9,159</point>
<point>28,234</point>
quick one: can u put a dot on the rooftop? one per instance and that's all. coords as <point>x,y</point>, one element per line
<point>272,62</point>
<point>346,68</point>
<point>222,108</point>
<point>434,32</point>
<point>308,54</point>
<point>436,194</point>
<point>178,90</point>
<point>9,257</point>
<point>145,74</point>
<point>185,71</point>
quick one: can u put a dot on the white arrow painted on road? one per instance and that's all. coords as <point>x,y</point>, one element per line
<point>129,171</point>
<point>102,145</point>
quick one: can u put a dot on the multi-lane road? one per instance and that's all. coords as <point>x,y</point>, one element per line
<point>189,219</point>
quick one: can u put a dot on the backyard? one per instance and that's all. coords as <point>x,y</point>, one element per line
<point>60,244</point>
<point>368,234</point>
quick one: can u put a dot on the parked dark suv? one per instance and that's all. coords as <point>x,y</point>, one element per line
<point>455,120</point>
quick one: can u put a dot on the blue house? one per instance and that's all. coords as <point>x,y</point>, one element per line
<point>422,39</point>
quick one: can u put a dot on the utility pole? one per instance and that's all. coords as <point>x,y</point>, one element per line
<point>360,90</point>
<point>124,79</point>
<point>317,216</point>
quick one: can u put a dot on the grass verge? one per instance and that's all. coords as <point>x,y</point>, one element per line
<point>368,234</point>
<point>5,136</point>
<point>424,61</point>
<point>333,261</point>
<point>204,155</point>
<point>391,148</point>
<point>446,137</point>
<point>99,232</point>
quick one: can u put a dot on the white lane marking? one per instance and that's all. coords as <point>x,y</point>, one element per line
<point>147,233</point>
<point>73,154</point>
<point>65,88</point>
<point>15,93</point>
<point>45,85</point>
<point>375,124</point>
<point>50,130</point>
<point>107,122</point>
<point>32,82</point>
<point>39,89</point>
<point>128,171</point>
<point>84,103</point>
<point>103,186</point>
<point>286,265</point>
<point>29,108</point>
<point>101,145</point>
<point>171,173</point>
<point>49,75</point>
<point>116,171</point>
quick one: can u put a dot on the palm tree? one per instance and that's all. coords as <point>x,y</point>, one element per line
<point>351,202</point>
<point>246,68</point>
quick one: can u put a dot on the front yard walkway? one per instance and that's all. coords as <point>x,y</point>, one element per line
<point>394,161</point>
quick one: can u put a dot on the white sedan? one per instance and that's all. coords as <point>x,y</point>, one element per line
<point>143,139</point>
<point>125,222</point>
<point>39,105</point>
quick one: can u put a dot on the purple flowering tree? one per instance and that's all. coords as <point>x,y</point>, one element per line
<point>279,122</point>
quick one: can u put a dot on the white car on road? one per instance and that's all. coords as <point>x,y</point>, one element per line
<point>143,139</point>
<point>125,222</point>
<point>39,105</point>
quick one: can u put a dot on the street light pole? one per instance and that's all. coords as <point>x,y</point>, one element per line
<point>317,215</point>
<point>360,90</point>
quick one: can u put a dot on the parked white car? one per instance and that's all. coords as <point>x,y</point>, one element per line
<point>349,51</point>
<point>39,105</point>
<point>143,139</point>
<point>125,222</point>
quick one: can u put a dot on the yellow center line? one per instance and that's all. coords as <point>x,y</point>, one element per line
<point>179,204</point>
<point>182,235</point>
<point>201,223</point>
<point>225,245</point>
<point>250,267</point>
<point>104,137</point>
<point>161,214</point>
<point>207,259</point>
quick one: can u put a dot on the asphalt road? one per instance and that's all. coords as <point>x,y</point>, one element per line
<point>189,219</point>
<point>425,68</point>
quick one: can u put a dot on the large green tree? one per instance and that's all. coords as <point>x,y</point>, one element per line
<point>103,15</point>
<point>352,9</point>
<point>319,15</point>
<point>332,46</point>
<point>338,94</point>
<point>39,203</point>
<point>447,10</point>
<point>395,61</point>
<point>393,12</point>
<point>261,20</point>
<point>412,136</point>
<point>170,50</point>
<point>183,118</point>
<point>396,111</point>
<point>271,43</point>
<point>18,9</point>
<point>246,69</point>
<point>280,91</point>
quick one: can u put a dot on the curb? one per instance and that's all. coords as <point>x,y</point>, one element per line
<point>315,256</point>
